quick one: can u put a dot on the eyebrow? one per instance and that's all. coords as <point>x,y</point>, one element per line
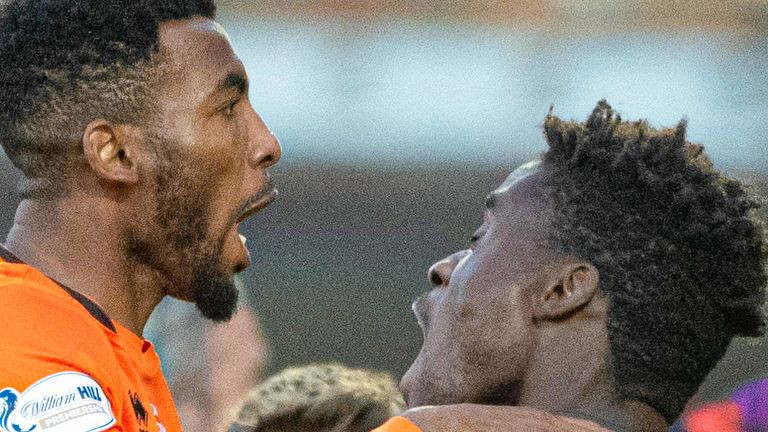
<point>233,80</point>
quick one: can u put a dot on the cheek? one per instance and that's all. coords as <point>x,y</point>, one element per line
<point>496,331</point>
<point>440,342</point>
<point>214,161</point>
<point>434,376</point>
<point>219,139</point>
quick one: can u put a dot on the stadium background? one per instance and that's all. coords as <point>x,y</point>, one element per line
<point>396,118</point>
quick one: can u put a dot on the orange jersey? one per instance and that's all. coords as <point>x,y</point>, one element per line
<point>66,366</point>
<point>398,424</point>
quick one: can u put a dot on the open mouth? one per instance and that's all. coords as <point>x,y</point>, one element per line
<point>258,202</point>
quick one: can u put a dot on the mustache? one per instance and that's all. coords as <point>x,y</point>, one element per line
<point>268,192</point>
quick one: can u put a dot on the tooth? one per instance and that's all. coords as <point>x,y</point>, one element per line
<point>242,238</point>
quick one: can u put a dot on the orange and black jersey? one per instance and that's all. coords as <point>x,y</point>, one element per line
<point>398,424</point>
<point>66,366</point>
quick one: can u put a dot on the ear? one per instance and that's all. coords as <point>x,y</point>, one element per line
<point>110,152</point>
<point>572,287</point>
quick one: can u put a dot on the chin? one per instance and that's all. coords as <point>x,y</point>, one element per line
<point>426,394</point>
<point>503,394</point>
<point>213,290</point>
<point>217,301</point>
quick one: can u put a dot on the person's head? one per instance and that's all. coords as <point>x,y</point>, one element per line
<point>318,398</point>
<point>617,220</point>
<point>144,105</point>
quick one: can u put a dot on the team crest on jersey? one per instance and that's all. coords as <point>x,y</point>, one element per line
<point>66,401</point>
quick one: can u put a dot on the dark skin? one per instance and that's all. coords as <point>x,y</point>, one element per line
<point>124,234</point>
<point>514,323</point>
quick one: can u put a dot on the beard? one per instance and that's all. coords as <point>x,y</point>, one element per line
<point>215,294</point>
<point>180,252</point>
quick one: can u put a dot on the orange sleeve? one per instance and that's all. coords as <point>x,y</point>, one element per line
<point>715,417</point>
<point>397,424</point>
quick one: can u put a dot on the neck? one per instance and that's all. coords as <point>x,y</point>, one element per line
<point>571,375</point>
<point>77,242</point>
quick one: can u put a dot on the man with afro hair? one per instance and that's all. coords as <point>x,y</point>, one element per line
<point>140,154</point>
<point>605,282</point>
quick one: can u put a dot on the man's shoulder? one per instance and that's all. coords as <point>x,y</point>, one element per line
<point>36,302</point>
<point>50,346</point>
<point>39,320</point>
<point>471,417</point>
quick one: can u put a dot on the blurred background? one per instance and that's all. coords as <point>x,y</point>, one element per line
<point>398,117</point>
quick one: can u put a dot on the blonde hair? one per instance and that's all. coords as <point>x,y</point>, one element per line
<point>324,397</point>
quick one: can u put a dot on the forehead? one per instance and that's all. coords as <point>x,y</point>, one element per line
<point>197,53</point>
<point>523,187</point>
<point>518,174</point>
<point>519,208</point>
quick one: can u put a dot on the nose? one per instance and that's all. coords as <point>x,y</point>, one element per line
<point>265,149</point>
<point>440,272</point>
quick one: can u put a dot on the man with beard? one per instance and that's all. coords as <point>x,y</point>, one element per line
<point>141,154</point>
<point>605,282</point>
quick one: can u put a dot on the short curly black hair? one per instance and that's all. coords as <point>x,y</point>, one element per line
<point>64,63</point>
<point>681,258</point>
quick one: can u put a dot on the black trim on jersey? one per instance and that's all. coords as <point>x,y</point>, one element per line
<point>8,256</point>
<point>95,310</point>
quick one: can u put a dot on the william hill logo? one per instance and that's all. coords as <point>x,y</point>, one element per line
<point>88,392</point>
<point>72,414</point>
<point>61,402</point>
<point>48,403</point>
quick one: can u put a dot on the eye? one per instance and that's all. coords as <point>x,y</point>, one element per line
<point>473,239</point>
<point>229,109</point>
<point>476,236</point>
